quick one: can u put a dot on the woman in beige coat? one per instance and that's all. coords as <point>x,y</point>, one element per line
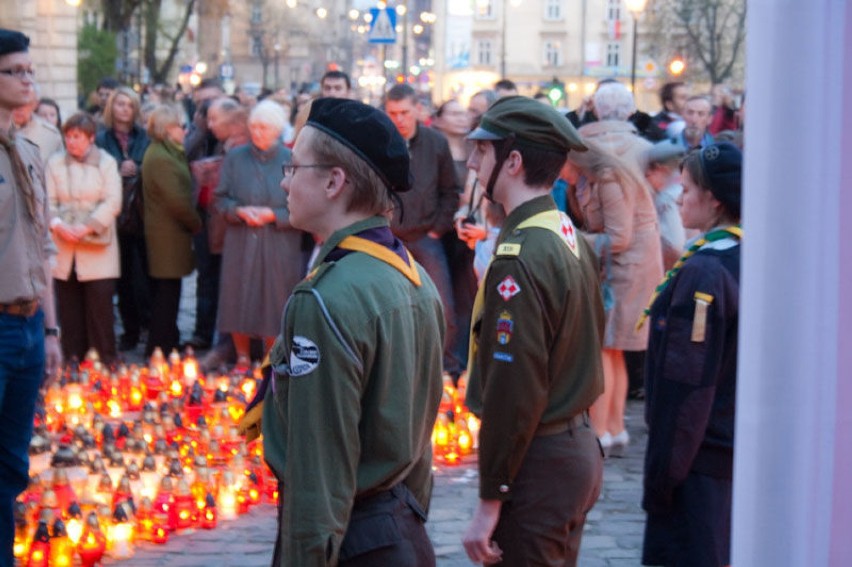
<point>618,218</point>
<point>85,197</point>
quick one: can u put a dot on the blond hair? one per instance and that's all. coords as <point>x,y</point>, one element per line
<point>109,121</point>
<point>161,119</point>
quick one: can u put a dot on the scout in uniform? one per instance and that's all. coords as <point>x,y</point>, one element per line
<point>536,340</point>
<point>357,368</point>
<point>29,345</point>
<point>690,373</point>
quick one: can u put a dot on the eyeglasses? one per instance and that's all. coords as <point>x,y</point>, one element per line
<point>21,73</point>
<point>289,169</point>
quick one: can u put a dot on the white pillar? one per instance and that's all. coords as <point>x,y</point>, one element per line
<point>793,465</point>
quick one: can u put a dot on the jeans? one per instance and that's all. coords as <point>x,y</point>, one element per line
<point>429,252</point>
<point>21,375</point>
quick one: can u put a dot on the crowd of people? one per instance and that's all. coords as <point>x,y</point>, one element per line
<point>550,262</point>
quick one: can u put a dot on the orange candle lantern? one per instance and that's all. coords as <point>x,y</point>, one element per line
<point>61,548</point>
<point>121,533</point>
<point>164,503</point>
<point>160,534</point>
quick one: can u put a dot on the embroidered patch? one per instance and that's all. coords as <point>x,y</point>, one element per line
<point>508,288</point>
<point>503,356</point>
<point>304,356</point>
<point>569,234</point>
<point>504,328</point>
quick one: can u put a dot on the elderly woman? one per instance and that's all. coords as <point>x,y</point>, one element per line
<point>261,258</point>
<point>691,373</point>
<point>619,219</point>
<point>85,197</point>
<point>126,141</point>
<point>170,222</point>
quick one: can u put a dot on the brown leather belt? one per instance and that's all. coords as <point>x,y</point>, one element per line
<point>20,308</point>
<point>558,427</point>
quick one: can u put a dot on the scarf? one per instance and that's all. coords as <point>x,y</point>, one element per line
<point>22,178</point>
<point>712,236</point>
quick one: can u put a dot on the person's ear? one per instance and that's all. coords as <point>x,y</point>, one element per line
<point>336,182</point>
<point>514,162</point>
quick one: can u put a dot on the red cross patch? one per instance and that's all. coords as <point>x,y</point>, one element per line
<point>508,288</point>
<point>568,233</point>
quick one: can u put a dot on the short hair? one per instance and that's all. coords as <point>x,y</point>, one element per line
<point>50,102</point>
<point>440,110</point>
<point>337,75</point>
<point>108,83</point>
<point>667,91</point>
<point>134,102</point>
<point>228,106</point>
<point>269,112</point>
<point>401,92</point>
<point>489,96</point>
<point>82,121</point>
<point>541,167</point>
<point>613,102</point>
<point>369,193</point>
<point>700,97</point>
<point>506,85</point>
<point>210,83</point>
<point>162,117</point>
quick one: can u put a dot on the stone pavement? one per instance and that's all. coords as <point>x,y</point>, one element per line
<point>612,537</point>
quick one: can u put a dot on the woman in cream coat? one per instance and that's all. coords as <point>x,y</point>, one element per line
<point>85,197</point>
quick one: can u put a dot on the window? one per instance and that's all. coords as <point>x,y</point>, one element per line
<point>257,46</point>
<point>484,9</point>
<point>613,54</point>
<point>613,10</point>
<point>483,52</point>
<point>256,13</point>
<point>553,9</point>
<point>552,54</point>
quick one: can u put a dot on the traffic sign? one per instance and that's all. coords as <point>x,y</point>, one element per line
<point>382,26</point>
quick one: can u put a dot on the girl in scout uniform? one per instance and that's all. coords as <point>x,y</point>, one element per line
<point>690,373</point>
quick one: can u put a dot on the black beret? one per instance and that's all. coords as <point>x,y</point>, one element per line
<point>723,168</point>
<point>369,133</point>
<point>12,41</point>
<point>533,124</point>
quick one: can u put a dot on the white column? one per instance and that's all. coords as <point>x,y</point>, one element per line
<point>793,466</point>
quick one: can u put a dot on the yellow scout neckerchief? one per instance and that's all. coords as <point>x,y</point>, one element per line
<point>553,220</point>
<point>250,424</point>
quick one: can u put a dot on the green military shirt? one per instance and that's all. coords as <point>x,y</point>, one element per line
<point>355,394</point>
<point>537,339</point>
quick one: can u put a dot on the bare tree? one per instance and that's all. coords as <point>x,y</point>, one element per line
<point>710,33</point>
<point>118,16</point>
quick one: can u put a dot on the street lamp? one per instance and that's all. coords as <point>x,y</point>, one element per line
<point>635,7</point>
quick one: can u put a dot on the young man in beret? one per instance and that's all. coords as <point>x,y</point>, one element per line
<point>357,381</point>
<point>29,346</point>
<point>536,340</point>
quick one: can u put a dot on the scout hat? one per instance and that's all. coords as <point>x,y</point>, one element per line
<point>723,167</point>
<point>12,41</point>
<point>369,133</point>
<point>530,123</point>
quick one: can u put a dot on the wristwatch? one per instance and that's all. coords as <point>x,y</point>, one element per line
<point>51,332</point>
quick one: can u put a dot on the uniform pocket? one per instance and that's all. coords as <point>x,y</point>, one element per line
<point>369,533</point>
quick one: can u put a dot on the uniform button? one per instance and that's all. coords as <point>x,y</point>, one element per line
<point>504,488</point>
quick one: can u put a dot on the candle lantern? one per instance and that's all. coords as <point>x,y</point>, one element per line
<point>184,507</point>
<point>22,535</point>
<point>121,533</point>
<point>164,503</point>
<point>208,513</point>
<point>62,489</point>
<point>61,548</point>
<point>39,554</point>
<point>227,502</point>
<point>92,543</point>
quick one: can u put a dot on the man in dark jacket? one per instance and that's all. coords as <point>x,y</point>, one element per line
<point>426,212</point>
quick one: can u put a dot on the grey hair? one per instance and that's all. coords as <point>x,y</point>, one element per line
<point>269,112</point>
<point>613,102</point>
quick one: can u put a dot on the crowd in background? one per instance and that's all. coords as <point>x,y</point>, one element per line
<point>145,191</point>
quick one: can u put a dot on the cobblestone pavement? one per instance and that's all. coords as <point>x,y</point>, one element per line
<point>612,538</point>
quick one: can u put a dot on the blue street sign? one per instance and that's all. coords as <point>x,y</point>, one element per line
<point>382,26</point>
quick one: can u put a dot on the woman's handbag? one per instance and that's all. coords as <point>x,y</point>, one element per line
<point>130,220</point>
